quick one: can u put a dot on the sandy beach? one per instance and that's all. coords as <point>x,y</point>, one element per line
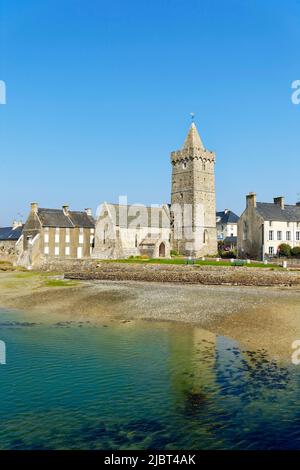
<point>258,317</point>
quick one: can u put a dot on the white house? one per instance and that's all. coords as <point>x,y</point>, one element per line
<point>264,226</point>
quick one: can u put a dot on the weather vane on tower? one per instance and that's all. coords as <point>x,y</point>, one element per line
<point>192,116</point>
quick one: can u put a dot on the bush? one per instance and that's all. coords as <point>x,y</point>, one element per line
<point>284,250</point>
<point>296,251</point>
<point>227,254</point>
<point>174,253</point>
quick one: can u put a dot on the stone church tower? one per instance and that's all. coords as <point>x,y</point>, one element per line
<point>193,199</point>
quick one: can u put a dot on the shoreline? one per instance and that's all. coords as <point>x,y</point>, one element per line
<point>243,313</point>
<point>184,274</point>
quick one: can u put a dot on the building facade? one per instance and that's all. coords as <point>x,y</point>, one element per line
<point>227,229</point>
<point>264,226</point>
<point>9,241</point>
<point>193,198</point>
<point>57,234</point>
<point>123,231</point>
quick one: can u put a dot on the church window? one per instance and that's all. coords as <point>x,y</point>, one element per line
<point>181,195</point>
<point>136,241</point>
<point>203,166</point>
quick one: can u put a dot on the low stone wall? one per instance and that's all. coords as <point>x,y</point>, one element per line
<point>207,275</point>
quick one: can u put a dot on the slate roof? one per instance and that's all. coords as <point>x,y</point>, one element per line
<point>271,211</point>
<point>154,217</point>
<point>8,233</point>
<point>227,217</point>
<point>57,218</point>
<point>81,219</point>
<point>230,240</point>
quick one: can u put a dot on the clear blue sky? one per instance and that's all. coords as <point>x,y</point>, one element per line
<point>99,93</point>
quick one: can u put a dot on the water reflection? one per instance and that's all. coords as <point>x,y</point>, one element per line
<point>141,385</point>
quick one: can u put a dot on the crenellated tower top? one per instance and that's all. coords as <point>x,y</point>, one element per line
<point>193,148</point>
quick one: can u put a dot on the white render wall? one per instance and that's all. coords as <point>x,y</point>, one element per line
<point>226,230</point>
<point>283,227</point>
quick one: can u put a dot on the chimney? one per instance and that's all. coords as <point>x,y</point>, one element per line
<point>65,209</point>
<point>89,212</point>
<point>34,207</point>
<point>251,200</point>
<point>279,201</point>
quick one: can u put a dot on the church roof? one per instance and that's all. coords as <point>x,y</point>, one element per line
<point>193,139</point>
<point>137,215</point>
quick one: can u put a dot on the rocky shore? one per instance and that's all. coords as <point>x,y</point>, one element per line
<point>185,274</point>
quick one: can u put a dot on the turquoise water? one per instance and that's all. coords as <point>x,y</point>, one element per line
<point>140,386</point>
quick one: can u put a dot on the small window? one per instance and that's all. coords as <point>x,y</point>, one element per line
<point>184,165</point>
<point>297,236</point>
<point>56,251</point>
<point>271,235</point>
<point>279,235</point>
<point>288,236</point>
<point>67,251</point>
<point>46,250</point>
<point>271,250</point>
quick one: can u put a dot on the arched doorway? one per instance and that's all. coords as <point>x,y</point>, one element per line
<point>162,250</point>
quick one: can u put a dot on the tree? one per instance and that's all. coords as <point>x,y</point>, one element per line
<point>284,250</point>
<point>296,251</point>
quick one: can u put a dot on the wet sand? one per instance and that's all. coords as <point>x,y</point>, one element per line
<point>258,317</point>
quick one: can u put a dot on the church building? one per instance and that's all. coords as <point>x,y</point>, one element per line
<point>187,225</point>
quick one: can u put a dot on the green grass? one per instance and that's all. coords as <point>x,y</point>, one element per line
<point>182,261</point>
<point>60,283</point>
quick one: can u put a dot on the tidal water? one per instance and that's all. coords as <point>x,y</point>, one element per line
<point>141,386</point>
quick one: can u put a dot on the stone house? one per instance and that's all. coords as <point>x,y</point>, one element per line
<point>227,228</point>
<point>132,230</point>
<point>56,234</point>
<point>9,237</point>
<point>264,226</point>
